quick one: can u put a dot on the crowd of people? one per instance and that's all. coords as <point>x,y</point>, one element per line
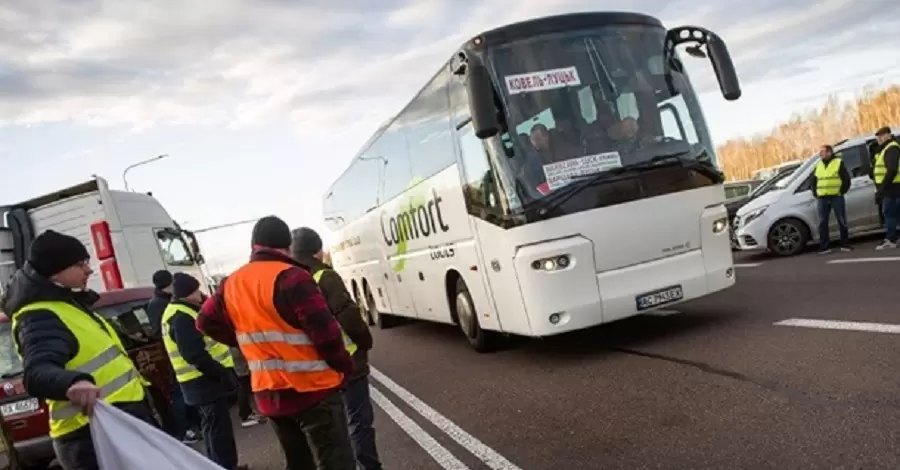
<point>281,329</point>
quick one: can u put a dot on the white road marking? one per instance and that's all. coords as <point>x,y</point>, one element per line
<point>841,325</point>
<point>489,456</point>
<point>864,260</point>
<point>439,453</point>
<point>746,265</point>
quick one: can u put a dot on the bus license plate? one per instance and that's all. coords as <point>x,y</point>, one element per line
<point>659,297</point>
<point>19,407</point>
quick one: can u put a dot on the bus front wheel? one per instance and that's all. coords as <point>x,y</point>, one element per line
<point>467,316</point>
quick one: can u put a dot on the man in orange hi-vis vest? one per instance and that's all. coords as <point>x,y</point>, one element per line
<point>273,310</point>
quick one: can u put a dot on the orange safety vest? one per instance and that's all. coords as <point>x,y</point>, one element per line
<point>278,355</point>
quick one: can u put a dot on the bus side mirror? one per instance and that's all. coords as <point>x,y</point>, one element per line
<point>723,67</point>
<point>481,101</point>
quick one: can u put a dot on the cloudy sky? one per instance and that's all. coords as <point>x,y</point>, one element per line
<point>260,104</point>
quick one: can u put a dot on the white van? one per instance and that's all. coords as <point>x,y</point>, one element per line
<point>129,235</point>
<point>785,219</point>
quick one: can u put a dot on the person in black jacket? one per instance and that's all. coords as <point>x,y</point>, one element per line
<point>830,182</point>
<point>57,270</point>
<point>306,249</point>
<point>887,184</point>
<point>215,391</point>
<point>184,420</point>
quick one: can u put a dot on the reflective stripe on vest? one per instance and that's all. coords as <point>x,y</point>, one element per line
<point>828,177</point>
<point>279,355</point>
<point>100,354</point>
<point>185,371</point>
<point>880,170</point>
<point>348,343</point>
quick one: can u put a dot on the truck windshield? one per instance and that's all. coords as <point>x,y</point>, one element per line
<point>584,102</point>
<point>10,364</point>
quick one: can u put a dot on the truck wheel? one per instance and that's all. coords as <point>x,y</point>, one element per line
<point>480,340</point>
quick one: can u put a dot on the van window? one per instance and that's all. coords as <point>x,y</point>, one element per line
<point>173,249</point>
<point>856,159</point>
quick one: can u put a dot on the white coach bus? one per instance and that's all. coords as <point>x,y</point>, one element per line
<point>554,175</point>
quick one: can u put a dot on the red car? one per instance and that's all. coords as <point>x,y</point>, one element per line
<point>25,428</point>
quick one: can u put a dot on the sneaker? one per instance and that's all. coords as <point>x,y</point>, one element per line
<point>846,249</point>
<point>253,420</point>
<point>190,437</point>
<point>887,244</point>
<point>825,251</point>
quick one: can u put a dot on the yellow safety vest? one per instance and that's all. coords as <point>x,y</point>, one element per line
<point>185,371</point>
<point>100,354</point>
<point>880,170</point>
<point>348,343</point>
<point>828,177</point>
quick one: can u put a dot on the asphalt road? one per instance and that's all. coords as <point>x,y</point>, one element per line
<point>716,385</point>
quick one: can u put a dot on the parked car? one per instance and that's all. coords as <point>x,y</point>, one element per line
<point>784,220</point>
<point>734,204</point>
<point>769,172</point>
<point>25,426</point>
<point>740,189</point>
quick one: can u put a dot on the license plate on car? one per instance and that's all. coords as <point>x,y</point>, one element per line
<point>19,407</point>
<point>659,297</point>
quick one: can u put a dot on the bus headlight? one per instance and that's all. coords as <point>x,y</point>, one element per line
<point>720,225</point>
<point>551,264</point>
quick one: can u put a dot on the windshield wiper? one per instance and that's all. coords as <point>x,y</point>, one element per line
<point>616,174</point>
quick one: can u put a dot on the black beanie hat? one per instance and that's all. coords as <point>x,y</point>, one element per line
<point>184,285</point>
<point>306,242</point>
<point>52,252</point>
<point>271,232</point>
<point>162,279</point>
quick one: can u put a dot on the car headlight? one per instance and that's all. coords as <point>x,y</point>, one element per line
<point>752,215</point>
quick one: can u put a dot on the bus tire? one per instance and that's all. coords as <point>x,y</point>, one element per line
<point>480,340</point>
<point>372,315</point>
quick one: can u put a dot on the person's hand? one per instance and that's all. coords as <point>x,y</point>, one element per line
<point>84,394</point>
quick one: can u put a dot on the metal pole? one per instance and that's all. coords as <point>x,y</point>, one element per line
<point>143,162</point>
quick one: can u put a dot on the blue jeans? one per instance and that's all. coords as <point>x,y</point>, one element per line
<point>825,206</point>
<point>890,207</point>
<point>361,416</point>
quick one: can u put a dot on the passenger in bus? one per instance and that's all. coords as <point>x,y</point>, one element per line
<point>551,148</point>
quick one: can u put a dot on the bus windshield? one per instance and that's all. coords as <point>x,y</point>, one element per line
<point>584,102</point>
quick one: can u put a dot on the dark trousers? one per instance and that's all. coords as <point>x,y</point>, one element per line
<point>245,395</point>
<point>184,416</point>
<point>75,451</point>
<point>316,438</point>
<point>361,417</point>
<point>218,435</point>
<point>825,206</point>
<point>891,211</point>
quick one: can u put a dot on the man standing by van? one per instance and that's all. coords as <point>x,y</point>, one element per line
<point>887,184</point>
<point>831,181</point>
<point>306,249</point>
<point>72,357</point>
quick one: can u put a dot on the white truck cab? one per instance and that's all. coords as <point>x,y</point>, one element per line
<point>129,235</point>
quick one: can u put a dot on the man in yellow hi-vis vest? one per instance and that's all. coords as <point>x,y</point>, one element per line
<point>204,370</point>
<point>831,181</point>
<point>71,356</point>
<point>306,249</point>
<point>887,184</point>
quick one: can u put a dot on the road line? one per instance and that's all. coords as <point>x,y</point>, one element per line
<point>746,265</point>
<point>439,453</point>
<point>864,260</point>
<point>489,456</point>
<point>841,325</point>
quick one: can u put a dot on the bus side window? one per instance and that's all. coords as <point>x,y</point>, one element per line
<point>478,186</point>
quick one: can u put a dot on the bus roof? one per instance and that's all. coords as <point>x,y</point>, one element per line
<point>556,23</point>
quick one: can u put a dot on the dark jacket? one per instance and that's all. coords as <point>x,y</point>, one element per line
<point>891,161</point>
<point>300,303</point>
<point>842,172</point>
<point>44,341</point>
<point>345,310</point>
<point>155,309</point>
<point>217,382</point>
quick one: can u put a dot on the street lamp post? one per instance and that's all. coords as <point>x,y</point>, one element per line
<point>143,162</point>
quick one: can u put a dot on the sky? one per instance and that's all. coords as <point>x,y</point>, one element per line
<point>261,104</point>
